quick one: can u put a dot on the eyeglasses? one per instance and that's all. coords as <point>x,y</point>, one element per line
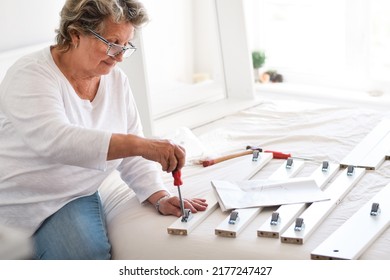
<point>114,49</point>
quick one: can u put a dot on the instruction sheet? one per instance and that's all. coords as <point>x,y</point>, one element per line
<point>259,193</point>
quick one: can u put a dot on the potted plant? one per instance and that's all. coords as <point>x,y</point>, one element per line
<point>258,59</point>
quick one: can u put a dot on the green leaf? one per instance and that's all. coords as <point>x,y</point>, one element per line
<point>258,59</point>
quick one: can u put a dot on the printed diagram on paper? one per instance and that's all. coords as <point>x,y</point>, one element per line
<point>259,193</point>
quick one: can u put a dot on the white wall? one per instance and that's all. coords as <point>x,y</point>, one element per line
<point>28,22</point>
<point>169,41</point>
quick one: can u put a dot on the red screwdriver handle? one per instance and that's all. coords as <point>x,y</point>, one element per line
<point>279,155</point>
<point>177,178</point>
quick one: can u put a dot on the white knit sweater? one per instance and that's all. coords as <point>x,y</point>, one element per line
<point>53,145</point>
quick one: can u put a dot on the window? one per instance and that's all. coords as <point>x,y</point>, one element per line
<point>338,43</point>
<point>182,56</point>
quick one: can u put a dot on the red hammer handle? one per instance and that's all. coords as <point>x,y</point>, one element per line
<point>279,155</point>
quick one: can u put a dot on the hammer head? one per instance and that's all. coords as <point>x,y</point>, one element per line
<point>254,148</point>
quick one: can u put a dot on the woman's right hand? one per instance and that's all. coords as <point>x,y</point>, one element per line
<point>170,155</point>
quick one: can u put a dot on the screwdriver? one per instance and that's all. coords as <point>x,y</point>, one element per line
<point>178,182</point>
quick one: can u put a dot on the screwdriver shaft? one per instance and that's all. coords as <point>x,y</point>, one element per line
<point>181,202</point>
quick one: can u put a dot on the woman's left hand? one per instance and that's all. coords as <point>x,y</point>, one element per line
<point>171,205</point>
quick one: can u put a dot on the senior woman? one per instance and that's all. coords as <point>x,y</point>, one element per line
<point>67,120</point>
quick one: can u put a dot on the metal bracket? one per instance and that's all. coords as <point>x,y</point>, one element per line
<point>289,163</point>
<point>325,166</point>
<point>299,224</point>
<point>275,219</point>
<point>187,216</point>
<point>234,218</point>
<point>255,155</point>
<point>350,170</point>
<point>375,210</point>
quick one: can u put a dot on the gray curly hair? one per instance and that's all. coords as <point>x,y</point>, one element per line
<point>81,15</point>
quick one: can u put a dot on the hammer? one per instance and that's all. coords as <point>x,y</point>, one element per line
<point>249,150</point>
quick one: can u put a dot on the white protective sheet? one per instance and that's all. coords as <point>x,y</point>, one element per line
<point>315,130</point>
<point>259,193</point>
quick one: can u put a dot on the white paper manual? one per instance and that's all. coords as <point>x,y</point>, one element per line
<point>259,193</point>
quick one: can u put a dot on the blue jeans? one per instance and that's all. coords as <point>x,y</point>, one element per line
<point>75,232</point>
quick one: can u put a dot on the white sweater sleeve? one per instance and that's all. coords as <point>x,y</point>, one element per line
<point>31,100</point>
<point>141,175</point>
